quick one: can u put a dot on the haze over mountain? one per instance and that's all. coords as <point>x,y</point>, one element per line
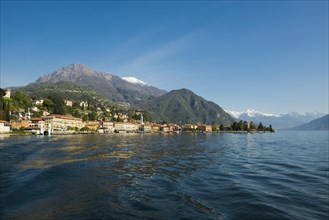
<point>111,86</point>
<point>281,121</point>
<point>320,124</point>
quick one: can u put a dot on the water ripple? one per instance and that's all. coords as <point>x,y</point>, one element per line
<point>190,176</point>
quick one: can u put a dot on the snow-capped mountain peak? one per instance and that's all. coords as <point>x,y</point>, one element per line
<point>250,113</point>
<point>234,114</point>
<point>281,121</point>
<point>134,80</point>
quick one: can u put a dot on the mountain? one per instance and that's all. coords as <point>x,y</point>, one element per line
<point>320,124</point>
<point>79,82</point>
<point>110,86</point>
<point>66,90</point>
<point>249,113</point>
<point>183,106</point>
<point>282,121</point>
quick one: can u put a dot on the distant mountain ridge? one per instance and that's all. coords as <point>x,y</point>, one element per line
<point>111,86</point>
<point>250,113</point>
<point>320,124</point>
<point>281,121</point>
<point>184,106</point>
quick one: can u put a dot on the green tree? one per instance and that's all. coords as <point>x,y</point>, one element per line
<point>36,114</point>
<point>147,116</point>
<point>58,104</point>
<point>49,104</point>
<point>252,125</point>
<point>5,106</point>
<point>76,105</point>
<point>2,104</point>
<point>68,109</point>
<point>246,126</point>
<point>240,125</point>
<point>235,126</point>
<point>215,127</point>
<point>137,116</point>
<point>260,127</point>
<point>85,129</point>
<point>76,113</point>
<point>21,100</point>
<point>92,116</point>
<point>119,119</point>
<point>85,118</point>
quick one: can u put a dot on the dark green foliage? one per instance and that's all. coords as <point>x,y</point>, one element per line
<point>215,128</point>
<point>85,129</point>
<point>92,116</point>
<point>260,127</point>
<point>21,100</point>
<point>85,118</point>
<point>48,103</point>
<point>76,113</point>
<point>147,116</point>
<point>58,107</point>
<point>2,93</point>
<point>240,126</point>
<point>3,105</point>
<point>183,106</point>
<point>68,90</point>
<point>235,126</point>
<point>137,116</point>
<point>252,126</point>
<point>246,126</point>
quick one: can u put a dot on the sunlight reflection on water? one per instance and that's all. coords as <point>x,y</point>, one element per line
<point>268,176</point>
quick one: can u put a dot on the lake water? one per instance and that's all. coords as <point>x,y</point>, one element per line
<point>281,175</point>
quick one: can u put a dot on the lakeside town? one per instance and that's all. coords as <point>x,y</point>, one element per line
<point>36,119</point>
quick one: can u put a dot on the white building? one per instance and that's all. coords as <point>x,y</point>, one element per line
<point>4,126</point>
<point>7,91</point>
<point>62,122</point>
<point>146,128</point>
<point>36,126</point>
<point>37,102</point>
<point>34,108</point>
<point>68,102</point>
<point>84,104</point>
<point>126,127</point>
<point>108,126</point>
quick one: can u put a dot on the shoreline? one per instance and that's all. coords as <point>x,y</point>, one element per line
<point>125,133</point>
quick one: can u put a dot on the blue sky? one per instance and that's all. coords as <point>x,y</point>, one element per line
<point>268,55</point>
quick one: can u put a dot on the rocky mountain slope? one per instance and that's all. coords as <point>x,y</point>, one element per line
<point>67,90</point>
<point>111,86</point>
<point>79,82</point>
